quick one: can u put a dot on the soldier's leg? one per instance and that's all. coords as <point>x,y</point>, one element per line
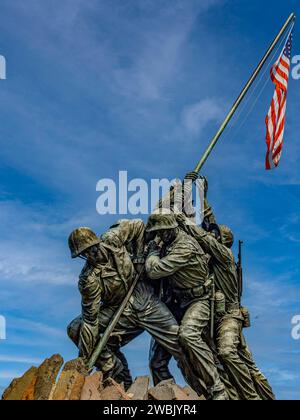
<point>73,330</point>
<point>161,324</point>
<point>84,335</point>
<point>159,359</point>
<point>228,341</point>
<point>108,362</point>
<point>112,362</point>
<point>230,388</point>
<point>191,338</point>
<point>261,383</point>
<point>124,376</point>
<point>123,334</point>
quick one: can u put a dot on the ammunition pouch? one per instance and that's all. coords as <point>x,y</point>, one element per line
<point>231,307</point>
<point>220,304</point>
<point>246,317</point>
<point>205,289</point>
<point>198,292</point>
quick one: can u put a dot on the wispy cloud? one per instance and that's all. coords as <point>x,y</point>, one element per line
<point>36,249</point>
<point>282,376</point>
<point>10,374</point>
<point>38,328</point>
<point>20,359</point>
<point>195,117</point>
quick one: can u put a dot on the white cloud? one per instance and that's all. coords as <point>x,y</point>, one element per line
<point>38,328</point>
<point>20,359</point>
<point>279,375</point>
<point>36,249</point>
<point>196,117</point>
<point>270,292</point>
<point>23,332</point>
<point>120,57</point>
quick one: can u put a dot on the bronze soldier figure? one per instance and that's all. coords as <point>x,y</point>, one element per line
<point>184,263</point>
<point>179,199</point>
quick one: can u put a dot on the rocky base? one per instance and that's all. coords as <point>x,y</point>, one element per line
<point>54,380</point>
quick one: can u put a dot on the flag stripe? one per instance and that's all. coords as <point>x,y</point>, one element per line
<point>276,117</point>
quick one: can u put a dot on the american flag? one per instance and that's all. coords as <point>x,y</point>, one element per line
<point>275,120</point>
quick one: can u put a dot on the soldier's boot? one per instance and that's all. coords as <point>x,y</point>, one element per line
<point>228,341</point>
<point>110,365</point>
<point>124,378</point>
<point>160,373</point>
<point>230,389</point>
<point>261,383</point>
<point>220,395</point>
<point>159,359</point>
<point>239,374</point>
<point>218,392</point>
<point>114,365</point>
<point>125,375</point>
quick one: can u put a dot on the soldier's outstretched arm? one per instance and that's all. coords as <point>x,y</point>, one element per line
<point>208,213</point>
<point>210,245</point>
<point>158,268</point>
<point>126,231</point>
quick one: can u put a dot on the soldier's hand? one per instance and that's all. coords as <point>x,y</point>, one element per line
<point>205,224</point>
<point>153,249</point>
<point>181,219</point>
<point>149,236</point>
<point>192,176</point>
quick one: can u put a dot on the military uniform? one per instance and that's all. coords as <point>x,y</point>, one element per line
<point>233,352</point>
<point>179,199</point>
<point>185,265</point>
<point>159,358</point>
<point>104,286</point>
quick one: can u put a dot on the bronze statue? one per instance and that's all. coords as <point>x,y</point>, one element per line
<point>109,270</point>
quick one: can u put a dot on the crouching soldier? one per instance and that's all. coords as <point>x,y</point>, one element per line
<point>107,276</point>
<point>184,263</point>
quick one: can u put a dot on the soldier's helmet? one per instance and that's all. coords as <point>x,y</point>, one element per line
<point>81,239</point>
<point>161,220</point>
<point>226,234</point>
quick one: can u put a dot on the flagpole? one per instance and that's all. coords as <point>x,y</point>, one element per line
<point>235,106</point>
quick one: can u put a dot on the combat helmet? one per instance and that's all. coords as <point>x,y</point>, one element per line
<point>226,234</point>
<point>81,239</point>
<point>161,220</point>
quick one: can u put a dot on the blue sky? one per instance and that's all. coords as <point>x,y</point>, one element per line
<point>101,86</point>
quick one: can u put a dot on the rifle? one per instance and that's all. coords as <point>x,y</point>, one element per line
<point>239,269</point>
<point>212,310</point>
